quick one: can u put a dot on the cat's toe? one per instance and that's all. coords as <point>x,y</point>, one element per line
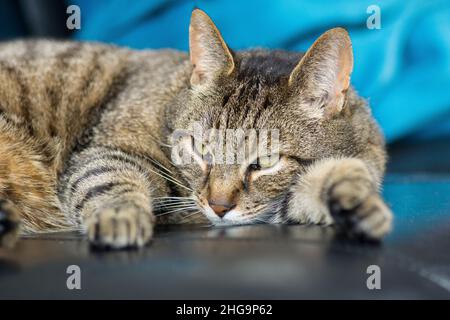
<point>9,224</point>
<point>370,219</point>
<point>375,219</point>
<point>125,226</point>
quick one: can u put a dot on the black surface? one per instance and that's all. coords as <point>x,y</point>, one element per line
<point>252,261</point>
<point>262,261</point>
<point>45,18</point>
<point>428,156</point>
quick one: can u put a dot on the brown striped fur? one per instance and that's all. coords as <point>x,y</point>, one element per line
<point>85,136</point>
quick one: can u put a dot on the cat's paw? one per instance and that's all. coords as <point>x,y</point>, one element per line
<point>9,223</point>
<point>121,226</point>
<point>359,211</point>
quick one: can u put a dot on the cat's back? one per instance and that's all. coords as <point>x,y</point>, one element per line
<point>58,89</point>
<point>35,51</point>
<point>39,74</point>
<point>48,72</point>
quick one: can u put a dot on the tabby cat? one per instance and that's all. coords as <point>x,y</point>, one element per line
<point>86,138</point>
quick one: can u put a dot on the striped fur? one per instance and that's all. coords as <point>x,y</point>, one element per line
<point>85,138</point>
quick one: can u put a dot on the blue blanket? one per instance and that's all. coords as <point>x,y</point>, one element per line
<point>402,68</point>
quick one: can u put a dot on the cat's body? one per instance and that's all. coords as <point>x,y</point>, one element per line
<point>85,139</point>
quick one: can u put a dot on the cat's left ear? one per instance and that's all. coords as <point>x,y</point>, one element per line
<point>323,74</point>
<point>209,53</point>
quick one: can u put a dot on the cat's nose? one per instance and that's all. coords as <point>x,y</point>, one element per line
<point>221,209</point>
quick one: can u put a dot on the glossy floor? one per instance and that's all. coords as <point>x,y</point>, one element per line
<point>253,261</point>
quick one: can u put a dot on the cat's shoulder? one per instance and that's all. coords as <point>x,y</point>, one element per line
<point>48,48</point>
<point>30,49</point>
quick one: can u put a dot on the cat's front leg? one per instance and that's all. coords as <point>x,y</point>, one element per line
<point>342,192</point>
<point>110,194</point>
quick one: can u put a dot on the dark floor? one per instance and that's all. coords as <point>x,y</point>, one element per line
<point>259,261</point>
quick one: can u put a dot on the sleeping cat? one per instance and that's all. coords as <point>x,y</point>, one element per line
<point>86,138</point>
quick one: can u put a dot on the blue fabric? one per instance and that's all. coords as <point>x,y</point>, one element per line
<point>403,68</point>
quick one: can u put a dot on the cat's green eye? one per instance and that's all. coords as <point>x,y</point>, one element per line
<point>199,147</point>
<point>203,151</point>
<point>264,162</point>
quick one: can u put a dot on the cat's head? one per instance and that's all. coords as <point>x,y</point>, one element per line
<point>300,107</point>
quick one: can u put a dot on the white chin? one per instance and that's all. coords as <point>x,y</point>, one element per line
<point>231,218</point>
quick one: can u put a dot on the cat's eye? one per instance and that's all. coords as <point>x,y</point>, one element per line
<point>254,167</point>
<point>264,162</point>
<point>202,151</point>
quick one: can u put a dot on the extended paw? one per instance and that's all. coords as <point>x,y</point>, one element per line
<point>121,226</point>
<point>9,223</point>
<point>359,211</point>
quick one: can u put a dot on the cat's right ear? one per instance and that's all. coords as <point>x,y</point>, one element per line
<point>210,56</point>
<point>323,74</point>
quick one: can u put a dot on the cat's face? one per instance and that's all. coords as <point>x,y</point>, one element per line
<point>253,121</point>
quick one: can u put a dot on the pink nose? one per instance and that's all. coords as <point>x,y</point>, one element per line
<point>221,209</point>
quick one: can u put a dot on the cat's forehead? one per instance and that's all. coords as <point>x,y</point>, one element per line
<point>268,66</point>
<point>257,89</point>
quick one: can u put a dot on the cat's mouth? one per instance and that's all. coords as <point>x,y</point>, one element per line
<point>231,218</point>
<point>214,218</point>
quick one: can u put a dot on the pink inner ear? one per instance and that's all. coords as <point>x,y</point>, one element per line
<point>345,67</point>
<point>196,52</point>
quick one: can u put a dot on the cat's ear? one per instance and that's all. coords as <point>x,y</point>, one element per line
<point>209,54</point>
<point>323,74</point>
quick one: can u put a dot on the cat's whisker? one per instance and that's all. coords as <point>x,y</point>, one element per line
<point>173,200</point>
<point>167,174</point>
<point>255,217</point>
<point>177,210</point>
<point>171,180</point>
<point>159,164</point>
<point>175,206</point>
<point>159,142</point>
<point>171,197</point>
<point>173,163</point>
<point>163,199</point>
<point>172,203</point>
<point>190,215</point>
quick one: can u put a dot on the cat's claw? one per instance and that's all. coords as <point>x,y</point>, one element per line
<point>361,215</point>
<point>9,224</point>
<point>118,227</point>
